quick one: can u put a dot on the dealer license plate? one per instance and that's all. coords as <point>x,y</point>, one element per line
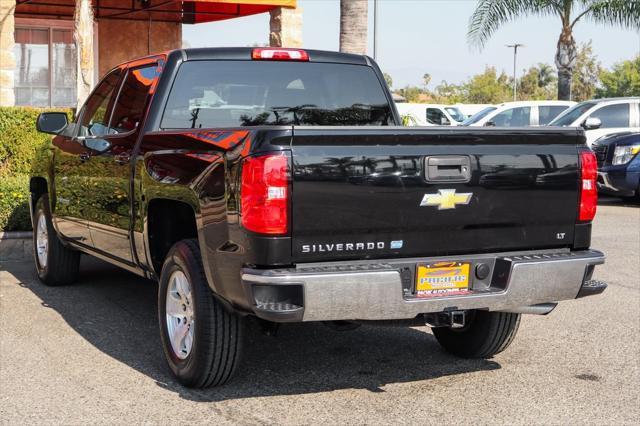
<point>442,279</point>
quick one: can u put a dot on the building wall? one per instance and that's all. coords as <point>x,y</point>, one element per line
<point>120,40</point>
<point>7,58</point>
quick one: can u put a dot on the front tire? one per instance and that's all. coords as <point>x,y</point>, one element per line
<point>201,339</point>
<point>485,335</point>
<point>56,264</point>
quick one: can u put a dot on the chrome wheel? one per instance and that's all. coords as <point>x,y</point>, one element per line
<point>179,313</point>
<point>42,241</point>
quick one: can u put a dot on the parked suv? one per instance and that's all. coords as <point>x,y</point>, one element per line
<point>600,117</point>
<point>618,164</point>
<point>519,114</point>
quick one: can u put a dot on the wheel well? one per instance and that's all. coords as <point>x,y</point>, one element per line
<point>168,221</point>
<point>38,185</point>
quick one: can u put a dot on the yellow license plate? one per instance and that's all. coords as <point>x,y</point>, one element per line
<point>442,279</point>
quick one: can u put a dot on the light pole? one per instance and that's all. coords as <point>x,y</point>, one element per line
<point>515,55</point>
<point>375,30</point>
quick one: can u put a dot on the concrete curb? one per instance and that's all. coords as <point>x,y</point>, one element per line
<point>15,246</point>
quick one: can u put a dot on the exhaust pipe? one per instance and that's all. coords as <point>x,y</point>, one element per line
<point>540,309</point>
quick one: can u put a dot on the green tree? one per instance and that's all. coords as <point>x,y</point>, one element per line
<point>490,15</point>
<point>585,74</point>
<point>446,93</point>
<point>488,87</point>
<point>537,83</point>
<point>622,80</point>
<point>388,79</point>
<point>426,78</point>
<point>411,93</point>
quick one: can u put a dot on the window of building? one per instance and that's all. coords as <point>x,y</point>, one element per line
<point>45,66</point>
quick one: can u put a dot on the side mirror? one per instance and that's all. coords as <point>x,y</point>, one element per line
<point>592,123</point>
<point>51,122</point>
<point>96,144</point>
<point>490,124</point>
<point>445,121</point>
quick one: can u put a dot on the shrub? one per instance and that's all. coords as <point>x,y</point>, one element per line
<point>21,146</point>
<point>20,143</point>
<point>14,203</point>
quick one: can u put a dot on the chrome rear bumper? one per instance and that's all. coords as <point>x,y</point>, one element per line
<point>379,290</point>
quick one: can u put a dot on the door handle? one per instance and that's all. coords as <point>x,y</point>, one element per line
<point>448,168</point>
<point>122,158</point>
<point>85,156</point>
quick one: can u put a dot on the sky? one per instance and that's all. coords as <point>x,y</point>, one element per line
<point>426,36</point>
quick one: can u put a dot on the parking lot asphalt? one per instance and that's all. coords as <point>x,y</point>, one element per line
<point>90,354</point>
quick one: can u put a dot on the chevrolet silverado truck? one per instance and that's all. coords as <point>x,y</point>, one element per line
<point>278,184</point>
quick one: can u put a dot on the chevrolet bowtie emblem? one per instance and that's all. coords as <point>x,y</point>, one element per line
<point>445,199</point>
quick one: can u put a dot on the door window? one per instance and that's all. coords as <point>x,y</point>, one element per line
<point>94,119</point>
<point>613,116</point>
<point>546,113</point>
<point>129,108</point>
<point>514,117</point>
<point>437,117</point>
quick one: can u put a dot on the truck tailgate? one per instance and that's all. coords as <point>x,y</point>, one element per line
<point>385,192</point>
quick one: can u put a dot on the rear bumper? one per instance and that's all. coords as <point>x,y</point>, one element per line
<point>382,290</point>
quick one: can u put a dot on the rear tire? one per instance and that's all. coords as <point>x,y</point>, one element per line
<point>56,263</point>
<point>201,340</point>
<point>485,335</point>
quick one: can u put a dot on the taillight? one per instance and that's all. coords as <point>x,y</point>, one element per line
<point>264,194</point>
<point>588,190</point>
<point>279,54</point>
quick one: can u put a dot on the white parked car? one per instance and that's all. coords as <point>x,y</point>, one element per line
<point>600,117</point>
<point>430,114</point>
<point>469,109</point>
<point>519,114</point>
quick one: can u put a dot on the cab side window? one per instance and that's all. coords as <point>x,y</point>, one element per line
<point>130,106</point>
<point>613,115</point>
<point>546,113</point>
<point>437,117</point>
<point>514,117</point>
<point>94,119</point>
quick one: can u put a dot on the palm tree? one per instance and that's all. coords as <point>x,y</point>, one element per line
<point>491,14</point>
<point>353,26</point>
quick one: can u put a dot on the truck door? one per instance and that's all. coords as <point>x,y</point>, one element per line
<point>110,222</point>
<point>74,187</point>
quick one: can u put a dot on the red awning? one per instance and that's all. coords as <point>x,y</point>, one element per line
<point>189,12</point>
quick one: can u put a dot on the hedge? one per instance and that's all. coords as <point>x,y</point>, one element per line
<point>21,146</point>
<point>14,203</point>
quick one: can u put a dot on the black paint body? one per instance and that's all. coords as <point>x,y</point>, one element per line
<point>349,185</point>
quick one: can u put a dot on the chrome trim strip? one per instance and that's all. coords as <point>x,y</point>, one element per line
<point>606,183</point>
<point>377,294</point>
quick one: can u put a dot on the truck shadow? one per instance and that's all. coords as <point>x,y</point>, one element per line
<point>115,311</point>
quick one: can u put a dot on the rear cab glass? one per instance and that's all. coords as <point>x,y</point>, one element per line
<point>211,94</point>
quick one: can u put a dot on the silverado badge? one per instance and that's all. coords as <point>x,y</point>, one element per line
<point>445,199</point>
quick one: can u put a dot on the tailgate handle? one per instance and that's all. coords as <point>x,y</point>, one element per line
<point>448,168</point>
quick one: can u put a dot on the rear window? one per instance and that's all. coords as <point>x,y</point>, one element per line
<point>209,94</point>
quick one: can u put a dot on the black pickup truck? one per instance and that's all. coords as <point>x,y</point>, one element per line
<point>278,184</point>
